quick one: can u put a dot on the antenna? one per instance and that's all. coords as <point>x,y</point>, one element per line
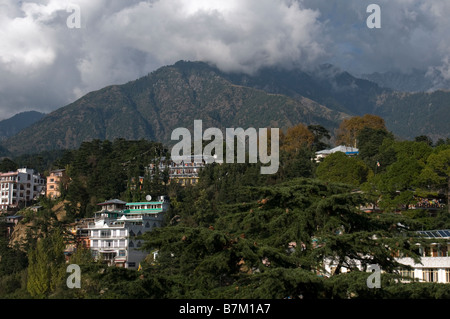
<point>148,198</point>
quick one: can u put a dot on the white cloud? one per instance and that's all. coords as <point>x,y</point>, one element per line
<point>45,65</point>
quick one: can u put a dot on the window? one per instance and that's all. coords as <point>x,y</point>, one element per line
<point>447,274</point>
<point>407,274</point>
<point>122,253</point>
<point>131,264</point>
<point>131,244</point>
<point>430,274</point>
<point>105,233</point>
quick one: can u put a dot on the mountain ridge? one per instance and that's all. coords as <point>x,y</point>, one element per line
<point>17,122</point>
<point>170,97</point>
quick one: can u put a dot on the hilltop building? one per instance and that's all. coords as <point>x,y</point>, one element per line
<point>435,260</point>
<point>20,187</point>
<point>114,232</point>
<point>347,150</point>
<point>54,183</point>
<point>186,172</point>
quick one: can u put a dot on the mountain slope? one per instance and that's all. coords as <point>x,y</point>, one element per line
<point>407,115</point>
<point>14,124</point>
<point>414,114</point>
<point>170,97</point>
<point>326,84</point>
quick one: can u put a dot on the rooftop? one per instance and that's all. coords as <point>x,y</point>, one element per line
<point>113,201</point>
<point>442,233</point>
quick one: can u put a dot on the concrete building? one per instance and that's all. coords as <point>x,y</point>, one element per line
<point>19,188</point>
<point>54,183</point>
<point>114,232</point>
<point>435,260</point>
<point>186,172</point>
<point>347,150</point>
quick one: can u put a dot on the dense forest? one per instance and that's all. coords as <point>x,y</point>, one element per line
<point>241,234</point>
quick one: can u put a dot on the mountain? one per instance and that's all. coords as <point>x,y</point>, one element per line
<point>407,114</point>
<point>325,84</point>
<point>413,81</point>
<point>173,96</point>
<point>413,114</point>
<point>14,124</point>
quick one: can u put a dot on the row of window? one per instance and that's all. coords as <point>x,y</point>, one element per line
<point>428,274</point>
<point>17,178</point>
<point>117,232</point>
<point>114,244</point>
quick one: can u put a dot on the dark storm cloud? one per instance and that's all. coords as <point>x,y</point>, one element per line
<point>45,65</point>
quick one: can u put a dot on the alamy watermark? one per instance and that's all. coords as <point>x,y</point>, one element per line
<point>74,279</point>
<point>73,21</point>
<point>256,141</point>
<point>374,19</point>
<point>374,280</point>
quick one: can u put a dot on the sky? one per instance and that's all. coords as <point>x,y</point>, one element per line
<point>53,52</point>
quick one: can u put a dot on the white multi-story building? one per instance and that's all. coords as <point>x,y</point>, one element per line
<point>182,169</point>
<point>434,263</point>
<point>20,187</point>
<point>435,260</point>
<point>114,233</point>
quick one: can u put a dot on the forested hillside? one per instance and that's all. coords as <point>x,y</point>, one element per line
<point>241,234</point>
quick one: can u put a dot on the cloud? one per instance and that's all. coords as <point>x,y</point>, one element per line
<point>45,65</point>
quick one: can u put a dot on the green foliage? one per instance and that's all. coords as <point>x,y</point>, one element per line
<point>46,265</point>
<point>273,244</point>
<point>338,167</point>
<point>101,170</point>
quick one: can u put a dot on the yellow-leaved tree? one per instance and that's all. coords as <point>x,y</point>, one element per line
<point>350,128</point>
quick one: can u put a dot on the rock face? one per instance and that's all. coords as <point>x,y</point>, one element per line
<point>19,234</point>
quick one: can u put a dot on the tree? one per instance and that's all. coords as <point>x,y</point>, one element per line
<point>275,244</point>
<point>437,172</point>
<point>46,265</point>
<point>396,181</point>
<point>297,137</point>
<point>350,128</point>
<point>338,167</point>
<point>320,133</point>
<point>7,165</point>
<point>423,138</point>
<point>369,141</point>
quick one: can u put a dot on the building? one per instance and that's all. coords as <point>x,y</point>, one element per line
<point>347,150</point>
<point>20,187</point>
<point>114,232</point>
<point>435,260</point>
<point>183,169</point>
<point>54,183</point>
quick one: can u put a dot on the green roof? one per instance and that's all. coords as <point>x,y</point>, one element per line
<point>144,203</point>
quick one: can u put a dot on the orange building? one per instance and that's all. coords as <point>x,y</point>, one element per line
<point>53,183</point>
